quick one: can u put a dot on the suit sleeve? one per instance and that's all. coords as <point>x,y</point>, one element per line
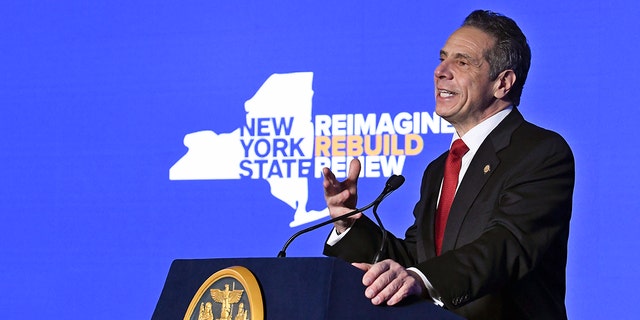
<point>363,242</point>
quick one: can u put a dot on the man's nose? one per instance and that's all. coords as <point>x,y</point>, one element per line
<point>442,71</point>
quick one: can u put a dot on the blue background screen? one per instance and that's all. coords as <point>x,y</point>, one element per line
<point>134,133</point>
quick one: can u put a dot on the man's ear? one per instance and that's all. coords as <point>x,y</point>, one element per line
<point>503,84</point>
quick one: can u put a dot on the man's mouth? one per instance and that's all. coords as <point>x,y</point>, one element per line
<point>445,93</point>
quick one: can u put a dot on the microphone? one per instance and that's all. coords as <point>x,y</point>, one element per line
<point>393,183</point>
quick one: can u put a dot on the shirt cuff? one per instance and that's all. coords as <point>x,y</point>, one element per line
<point>433,293</point>
<point>334,237</point>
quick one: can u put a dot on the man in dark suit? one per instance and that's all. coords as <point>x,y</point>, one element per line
<point>497,247</point>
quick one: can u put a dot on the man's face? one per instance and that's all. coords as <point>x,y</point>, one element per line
<point>464,93</point>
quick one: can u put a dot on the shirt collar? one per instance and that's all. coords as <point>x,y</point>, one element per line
<point>474,137</point>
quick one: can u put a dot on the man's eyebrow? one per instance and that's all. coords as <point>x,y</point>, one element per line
<point>463,56</point>
<point>460,55</point>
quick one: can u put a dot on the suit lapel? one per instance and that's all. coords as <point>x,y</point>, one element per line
<point>484,163</point>
<point>434,180</point>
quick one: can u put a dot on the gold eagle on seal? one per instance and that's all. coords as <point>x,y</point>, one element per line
<point>227,298</point>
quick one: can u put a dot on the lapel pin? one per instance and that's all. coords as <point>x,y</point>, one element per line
<point>486,169</point>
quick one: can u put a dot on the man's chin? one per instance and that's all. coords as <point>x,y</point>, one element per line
<point>444,110</point>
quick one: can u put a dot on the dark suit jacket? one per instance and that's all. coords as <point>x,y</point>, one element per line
<point>505,243</point>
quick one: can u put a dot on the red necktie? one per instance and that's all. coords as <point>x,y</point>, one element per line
<point>449,185</point>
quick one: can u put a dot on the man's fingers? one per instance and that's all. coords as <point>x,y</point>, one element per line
<point>389,281</point>
<point>341,197</point>
<point>391,288</point>
<point>354,170</point>
<point>338,199</point>
<point>362,266</point>
<point>374,272</point>
<point>406,285</point>
<point>329,182</point>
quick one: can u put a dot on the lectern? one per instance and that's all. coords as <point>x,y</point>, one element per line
<point>291,288</point>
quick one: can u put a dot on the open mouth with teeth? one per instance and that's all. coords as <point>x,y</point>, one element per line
<point>446,93</point>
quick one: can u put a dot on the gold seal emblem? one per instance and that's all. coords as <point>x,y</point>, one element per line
<point>229,294</point>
